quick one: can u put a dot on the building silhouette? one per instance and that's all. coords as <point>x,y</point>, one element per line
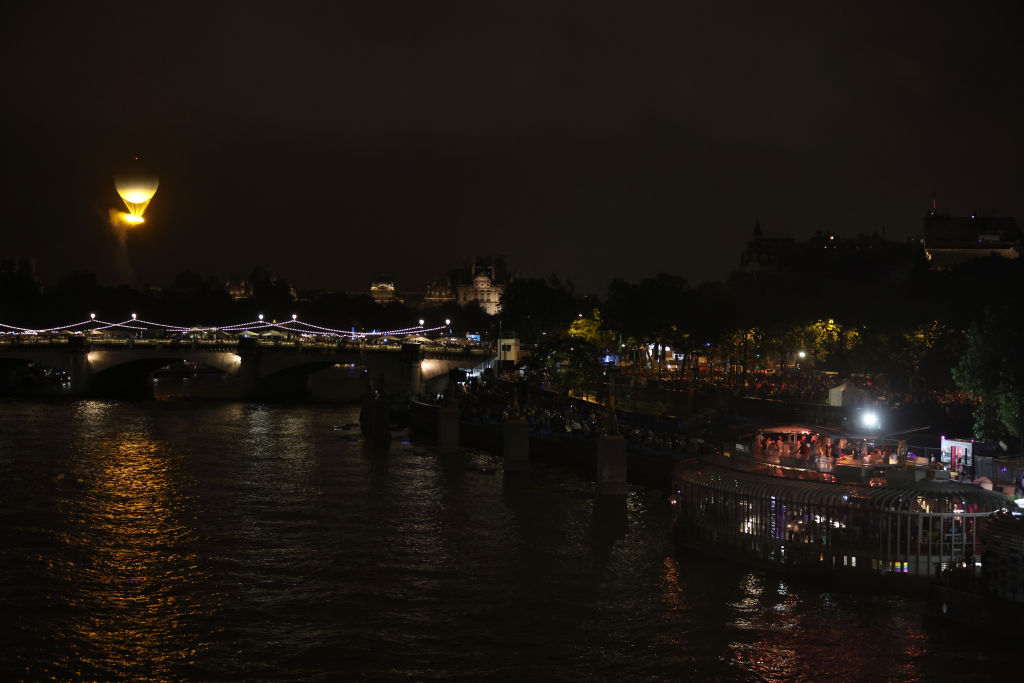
<point>949,240</point>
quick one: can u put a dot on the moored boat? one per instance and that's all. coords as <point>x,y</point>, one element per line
<point>782,508</point>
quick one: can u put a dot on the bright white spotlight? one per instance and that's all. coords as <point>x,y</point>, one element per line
<point>869,420</point>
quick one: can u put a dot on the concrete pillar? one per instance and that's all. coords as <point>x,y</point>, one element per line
<point>517,445</point>
<point>377,420</point>
<point>412,357</point>
<point>249,369</point>
<point>448,429</point>
<point>611,466</point>
<point>79,369</point>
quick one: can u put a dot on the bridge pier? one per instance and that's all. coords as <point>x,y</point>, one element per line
<point>249,368</point>
<point>375,420</point>
<point>80,371</point>
<point>412,357</point>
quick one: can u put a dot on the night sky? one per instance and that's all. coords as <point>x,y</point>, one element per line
<point>337,141</point>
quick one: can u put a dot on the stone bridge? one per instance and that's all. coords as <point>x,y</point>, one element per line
<point>262,367</point>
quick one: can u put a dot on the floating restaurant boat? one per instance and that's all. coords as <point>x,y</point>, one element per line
<point>810,502</point>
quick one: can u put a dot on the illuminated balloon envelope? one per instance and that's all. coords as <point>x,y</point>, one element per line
<point>136,190</point>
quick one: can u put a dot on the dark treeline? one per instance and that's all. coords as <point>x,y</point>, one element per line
<point>193,300</point>
<point>873,302</point>
<point>920,331</point>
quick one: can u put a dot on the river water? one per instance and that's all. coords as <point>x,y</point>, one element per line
<point>213,541</point>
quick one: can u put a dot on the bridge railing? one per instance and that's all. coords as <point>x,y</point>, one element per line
<point>22,340</point>
<point>342,343</point>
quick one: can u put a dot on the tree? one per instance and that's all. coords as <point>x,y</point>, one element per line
<point>592,331</point>
<point>744,346</point>
<point>991,371</point>
<point>930,350</point>
<point>654,308</point>
<point>533,306</point>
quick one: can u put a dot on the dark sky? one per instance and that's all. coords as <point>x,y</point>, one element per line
<point>337,141</point>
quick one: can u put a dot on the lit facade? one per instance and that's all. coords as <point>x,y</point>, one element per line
<point>383,291</point>
<point>482,290</point>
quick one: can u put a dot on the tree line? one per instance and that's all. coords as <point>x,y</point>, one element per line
<point>923,330</point>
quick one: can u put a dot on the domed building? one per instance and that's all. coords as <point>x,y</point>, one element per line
<point>383,291</point>
<point>484,285</point>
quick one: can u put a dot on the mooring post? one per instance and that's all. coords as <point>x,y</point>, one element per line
<point>611,466</point>
<point>517,445</point>
<point>516,438</point>
<point>611,455</point>
<point>449,421</point>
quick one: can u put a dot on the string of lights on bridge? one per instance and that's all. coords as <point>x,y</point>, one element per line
<point>293,326</point>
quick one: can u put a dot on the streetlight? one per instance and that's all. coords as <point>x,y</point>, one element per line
<point>92,316</point>
<point>294,317</point>
<point>421,322</point>
<point>261,317</point>
<point>133,316</point>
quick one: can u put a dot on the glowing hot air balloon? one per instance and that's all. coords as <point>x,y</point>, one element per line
<point>136,188</point>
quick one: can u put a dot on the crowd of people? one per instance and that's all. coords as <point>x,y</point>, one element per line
<point>809,389</point>
<point>821,451</point>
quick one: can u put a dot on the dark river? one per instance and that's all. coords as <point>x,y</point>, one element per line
<point>213,541</point>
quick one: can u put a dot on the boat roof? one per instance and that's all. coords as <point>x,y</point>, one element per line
<point>836,432</point>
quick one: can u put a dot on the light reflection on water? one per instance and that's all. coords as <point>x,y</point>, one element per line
<point>131,590</point>
<point>191,541</point>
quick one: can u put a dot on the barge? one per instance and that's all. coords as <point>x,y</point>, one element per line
<point>836,513</point>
